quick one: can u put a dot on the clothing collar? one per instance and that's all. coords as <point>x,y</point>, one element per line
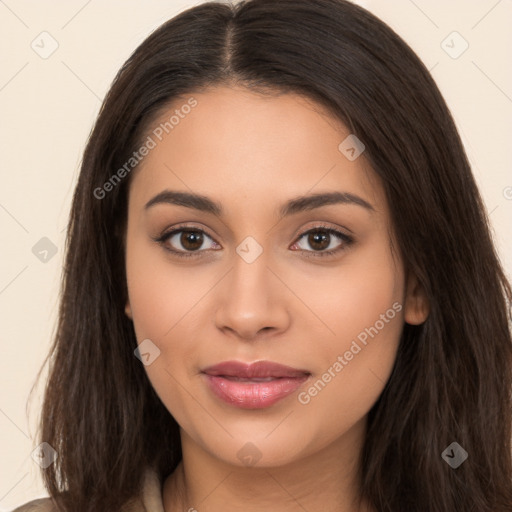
<point>152,493</point>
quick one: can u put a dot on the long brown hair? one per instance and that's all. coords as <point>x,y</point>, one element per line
<point>452,378</point>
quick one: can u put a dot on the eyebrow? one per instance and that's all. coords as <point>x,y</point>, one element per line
<point>291,207</point>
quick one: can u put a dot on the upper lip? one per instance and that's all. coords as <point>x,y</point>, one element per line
<point>257,369</point>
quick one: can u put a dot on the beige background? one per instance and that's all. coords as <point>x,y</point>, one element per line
<point>47,109</point>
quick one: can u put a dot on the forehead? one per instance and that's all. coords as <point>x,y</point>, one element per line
<point>240,146</point>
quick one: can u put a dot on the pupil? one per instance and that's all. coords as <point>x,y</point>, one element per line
<point>191,240</point>
<point>317,238</point>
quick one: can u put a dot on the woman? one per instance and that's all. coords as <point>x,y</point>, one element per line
<point>280,290</point>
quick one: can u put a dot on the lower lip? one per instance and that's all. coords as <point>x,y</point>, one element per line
<point>253,394</point>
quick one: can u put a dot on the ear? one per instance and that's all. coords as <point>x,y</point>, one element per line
<point>416,302</point>
<point>128,310</point>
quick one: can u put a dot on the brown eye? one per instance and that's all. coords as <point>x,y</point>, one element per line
<point>186,241</point>
<point>191,240</point>
<point>319,240</point>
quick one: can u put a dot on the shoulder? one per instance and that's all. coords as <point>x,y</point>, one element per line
<point>40,505</point>
<point>150,501</point>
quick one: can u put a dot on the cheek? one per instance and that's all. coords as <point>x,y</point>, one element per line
<point>354,297</point>
<point>162,299</point>
<point>167,301</point>
<point>364,310</point>
<point>162,294</point>
<point>360,296</point>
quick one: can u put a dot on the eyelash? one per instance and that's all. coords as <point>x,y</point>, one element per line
<point>346,241</point>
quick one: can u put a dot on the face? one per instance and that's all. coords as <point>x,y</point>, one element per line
<point>262,275</point>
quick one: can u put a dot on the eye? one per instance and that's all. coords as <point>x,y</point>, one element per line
<point>320,238</point>
<point>189,241</point>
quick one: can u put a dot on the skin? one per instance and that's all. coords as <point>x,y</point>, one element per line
<point>251,154</point>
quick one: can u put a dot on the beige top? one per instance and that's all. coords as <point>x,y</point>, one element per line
<point>151,498</point>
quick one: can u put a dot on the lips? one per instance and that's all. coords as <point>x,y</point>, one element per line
<point>253,386</point>
<point>253,371</point>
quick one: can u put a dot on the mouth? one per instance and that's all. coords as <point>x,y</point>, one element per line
<point>253,386</point>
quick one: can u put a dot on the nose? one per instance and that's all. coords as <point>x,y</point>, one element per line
<point>252,301</point>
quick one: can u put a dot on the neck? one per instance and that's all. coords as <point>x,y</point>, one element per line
<point>327,480</point>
